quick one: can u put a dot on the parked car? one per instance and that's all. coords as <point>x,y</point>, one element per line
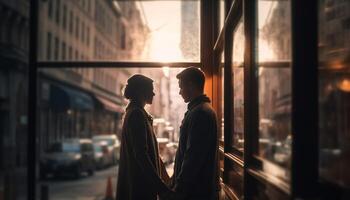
<point>102,156</point>
<point>113,145</point>
<point>72,156</point>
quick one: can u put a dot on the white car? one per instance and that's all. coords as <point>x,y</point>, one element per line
<point>113,145</point>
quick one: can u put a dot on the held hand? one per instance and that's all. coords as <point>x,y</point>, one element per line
<point>164,174</point>
<point>171,195</point>
<point>167,195</point>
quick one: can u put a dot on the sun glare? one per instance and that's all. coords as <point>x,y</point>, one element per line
<point>265,51</point>
<point>164,20</point>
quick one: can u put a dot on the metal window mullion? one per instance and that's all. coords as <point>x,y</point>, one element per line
<point>32,100</point>
<point>304,99</point>
<point>106,64</point>
<point>251,133</point>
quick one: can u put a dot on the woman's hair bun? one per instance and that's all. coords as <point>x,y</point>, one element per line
<point>136,86</point>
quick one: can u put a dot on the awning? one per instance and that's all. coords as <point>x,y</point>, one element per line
<point>109,105</point>
<point>63,98</point>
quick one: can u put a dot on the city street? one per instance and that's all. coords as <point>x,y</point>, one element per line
<point>85,188</point>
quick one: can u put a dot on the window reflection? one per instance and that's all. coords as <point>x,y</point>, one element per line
<point>238,87</point>
<point>274,24</point>
<point>275,115</point>
<point>334,91</point>
<point>274,53</point>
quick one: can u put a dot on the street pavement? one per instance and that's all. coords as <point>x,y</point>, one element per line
<point>85,188</point>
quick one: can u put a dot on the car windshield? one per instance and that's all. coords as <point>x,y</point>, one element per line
<point>64,147</point>
<point>68,147</point>
<point>97,148</point>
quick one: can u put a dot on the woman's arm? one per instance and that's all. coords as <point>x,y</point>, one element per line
<point>137,133</point>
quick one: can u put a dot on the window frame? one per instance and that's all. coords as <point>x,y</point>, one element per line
<point>35,65</point>
<point>304,179</point>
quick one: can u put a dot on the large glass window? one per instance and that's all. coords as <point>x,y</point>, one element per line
<point>334,91</point>
<point>163,31</point>
<point>274,74</point>
<point>87,105</point>
<point>238,86</point>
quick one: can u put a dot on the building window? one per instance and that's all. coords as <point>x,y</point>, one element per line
<point>71,19</point>
<point>76,55</point>
<point>70,53</point>
<point>82,32</point>
<point>88,36</point>
<point>64,23</point>
<point>63,51</point>
<point>48,50</point>
<point>58,4</point>
<point>50,8</point>
<point>57,47</point>
<point>77,27</point>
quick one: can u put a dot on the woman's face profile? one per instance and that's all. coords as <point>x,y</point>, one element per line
<point>150,95</point>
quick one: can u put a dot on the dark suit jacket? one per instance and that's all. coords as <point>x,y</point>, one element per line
<point>195,171</point>
<point>139,167</point>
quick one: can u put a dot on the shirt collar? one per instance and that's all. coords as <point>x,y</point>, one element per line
<point>198,100</point>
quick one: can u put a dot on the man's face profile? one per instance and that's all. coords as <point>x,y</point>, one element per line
<point>184,90</point>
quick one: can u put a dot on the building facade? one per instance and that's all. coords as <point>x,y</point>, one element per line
<point>86,31</point>
<point>14,28</point>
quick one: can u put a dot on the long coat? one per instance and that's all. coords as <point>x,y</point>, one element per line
<point>195,171</point>
<point>139,168</point>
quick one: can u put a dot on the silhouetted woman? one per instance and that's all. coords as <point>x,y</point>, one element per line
<point>140,165</point>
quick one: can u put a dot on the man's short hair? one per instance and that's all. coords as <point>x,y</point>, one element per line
<point>194,75</point>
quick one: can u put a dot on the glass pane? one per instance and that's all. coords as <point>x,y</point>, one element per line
<point>222,14</point>
<point>238,45</point>
<point>274,74</point>
<point>238,86</point>
<point>275,115</point>
<point>95,30</point>
<point>14,51</point>
<point>238,108</point>
<point>274,30</point>
<point>87,103</point>
<point>334,92</point>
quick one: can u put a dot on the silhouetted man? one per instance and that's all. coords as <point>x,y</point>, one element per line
<point>195,171</point>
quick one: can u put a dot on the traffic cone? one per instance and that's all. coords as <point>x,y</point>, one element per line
<point>109,190</point>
